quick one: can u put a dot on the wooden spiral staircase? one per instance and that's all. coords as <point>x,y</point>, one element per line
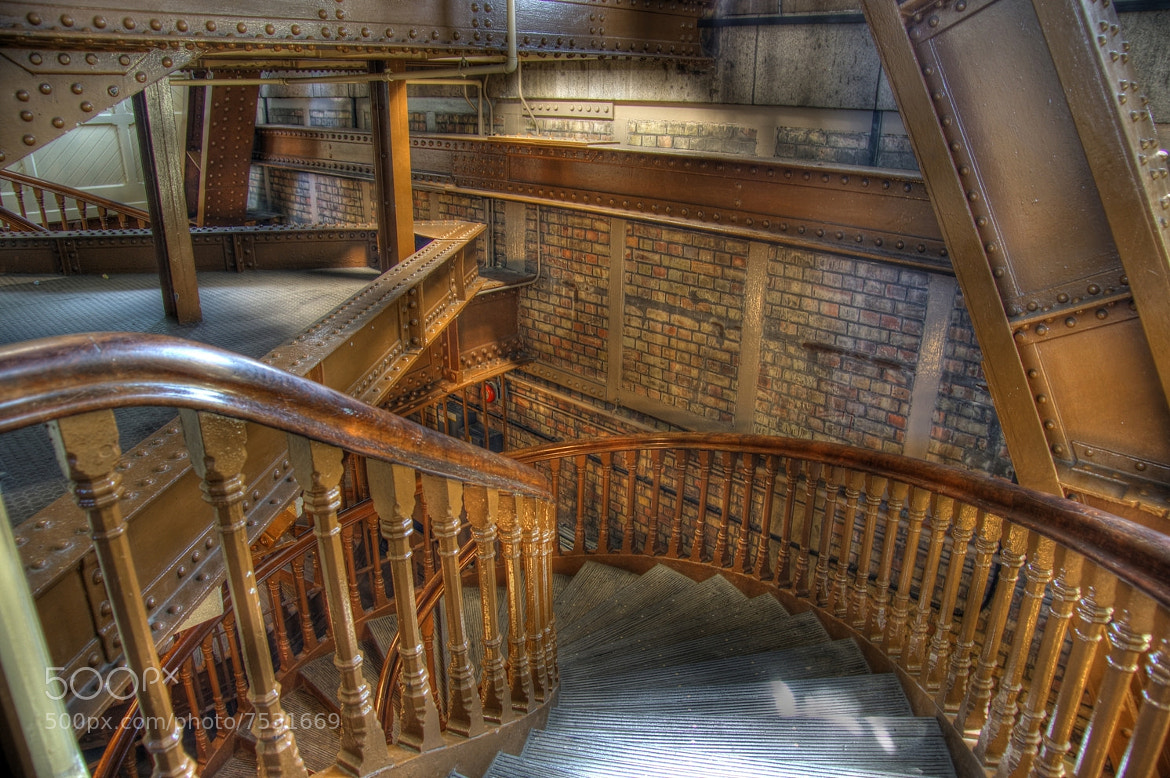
<point>996,608</point>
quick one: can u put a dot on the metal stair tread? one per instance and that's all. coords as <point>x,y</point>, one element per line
<point>323,677</point>
<point>309,719</point>
<point>657,583</point>
<point>383,630</point>
<point>593,584</point>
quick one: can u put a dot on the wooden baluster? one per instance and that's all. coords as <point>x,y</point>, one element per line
<point>122,220</point>
<point>555,478</point>
<point>700,535</point>
<point>579,529</point>
<point>650,547</point>
<point>202,743</point>
<point>1025,741</point>
<point>62,220</point>
<point>1129,638</point>
<point>534,629</point>
<point>719,555</point>
<point>238,677</point>
<point>839,586</point>
<point>217,451</point>
<point>318,469</point>
<point>958,673</point>
<point>875,487</point>
<point>487,427</point>
<point>997,730</point>
<point>308,634</point>
<point>631,458</point>
<point>935,670</point>
<point>207,648</point>
<point>81,211</point>
<point>801,581</point>
<point>350,569</point>
<point>940,523</point>
<point>784,562</point>
<point>87,450</point>
<point>833,482</point>
<point>680,482</point>
<point>375,557</point>
<point>520,679</point>
<point>483,506</point>
<point>547,510</point>
<point>973,711</point>
<point>18,190</point>
<point>283,647</point>
<point>103,220</point>
<point>763,546</point>
<point>466,418</point>
<point>1093,613</point>
<point>319,578</point>
<point>603,508</point>
<point>39,194</point>
<point>392,489</point>
<point>881,598</point>
<point>429,561</point>
<point>739,559</point>
<point>444,502</point>
<point>1153,722</point>
<point>900,612</point>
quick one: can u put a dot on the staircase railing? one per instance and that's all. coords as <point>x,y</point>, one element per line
<point>67,209</point>
<point>74,383</point>
<point>995,604</point>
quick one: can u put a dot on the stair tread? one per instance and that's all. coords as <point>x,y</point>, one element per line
<point>860,695</point>
<point>324,678</point>
<point>657,583</point>
<point>383,630</point>
<point>592,584</point>
<point>310,721</point>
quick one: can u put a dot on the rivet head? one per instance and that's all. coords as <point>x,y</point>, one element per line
<point>129,23</point>
<point>29,140</point>
<point>22,95</point>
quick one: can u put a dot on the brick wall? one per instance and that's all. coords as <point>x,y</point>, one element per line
<point>846,148</point>
<point>564,314</point>
<point>840,346</point>
<point>683,319</point>
<point>290,194</point>
<point>302,197</point>
<point>966,431</point>
<point>692,136</point>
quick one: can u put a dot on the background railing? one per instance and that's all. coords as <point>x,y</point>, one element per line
<point>46,206</point>
<point>1021,620</point>
<point>73,383</point>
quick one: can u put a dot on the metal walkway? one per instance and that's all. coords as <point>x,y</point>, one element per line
<point>249,313</point>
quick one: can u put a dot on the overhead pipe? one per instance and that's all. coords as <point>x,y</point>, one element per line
<point>508,66</point>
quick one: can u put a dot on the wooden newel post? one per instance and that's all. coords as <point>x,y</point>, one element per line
<point>88,451</point>
<point>520,677</point>
<point>482,508</point>
<point>318,469</point>
<point>444,497</point>
<point>217,446</point>
<point>392,488</point>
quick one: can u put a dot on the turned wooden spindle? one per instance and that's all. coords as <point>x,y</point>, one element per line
<point>699,539</point>
<point>238,677</point>
<point>682,459</point>
<point>308,634</point>
<point>318,469</point>
<point>739,559</point>
<point>217,446</point>
<point>483,506</point>
<point>519,674</point>
<point>940,524</point>
<point>284,653</point>
<point>996,732</point>
<point>833,482</point>
<point>719,554</point>
<point>959,672</point>
<point>207,649</point>
<point>579,529</point>
<point>547,513</point>
<point>393,489</point>
<point>530,535</point>
<point>875,487</point>
<point>87,450</point>
<point>603,506</point>
<point>202,742</point>
<point>784,561</point>
<point>1153,722</point>
<point>881,595</point>
<point>370,527</point>
<point>1093,613</point>
<point>962,530</point>
<point>900,612</point>
<point>801,578</point>
<point>650,547</point>
<point>763,545</point>
<point>631,460</point>
<point>1129,638</point>
<point>973,712</point>
<point>350,570</point>
<point>1024,745</point>
<point>444,498</point>
<point>839,585</point>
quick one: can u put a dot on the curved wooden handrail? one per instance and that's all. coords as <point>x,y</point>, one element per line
<point>1136,554</point>
<point>41,380</point>
<point>17,223</point>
